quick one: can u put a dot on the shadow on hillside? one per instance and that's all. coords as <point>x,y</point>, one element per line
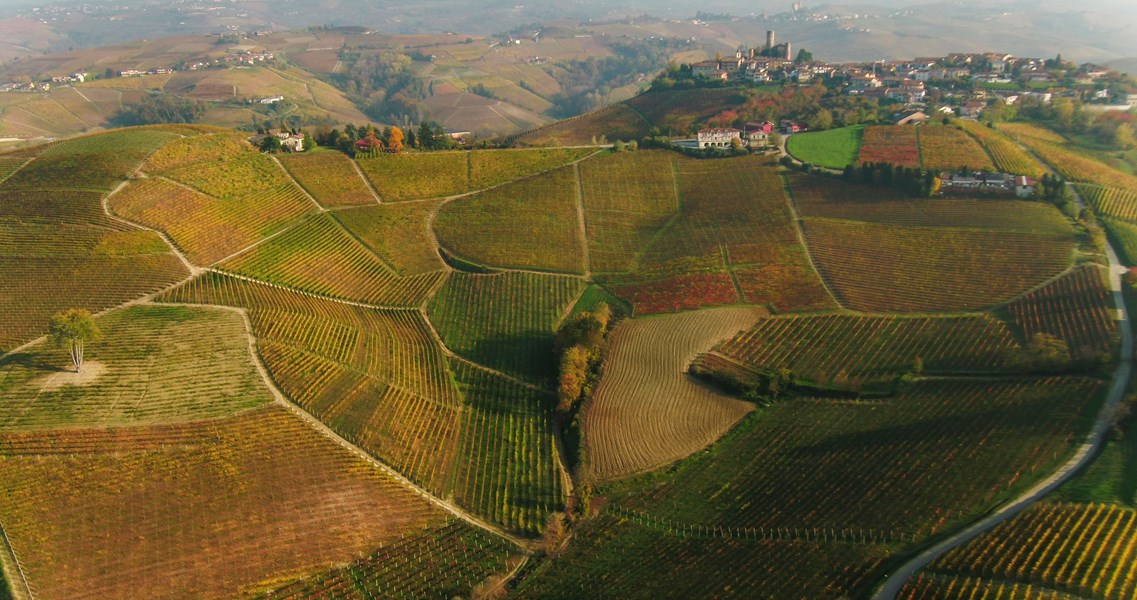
<point>35,362</point>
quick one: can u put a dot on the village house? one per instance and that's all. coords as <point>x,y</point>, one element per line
<point>756,135</point>
<point>1024,186</point>
<point>972,108</point>
<point>719,137</point>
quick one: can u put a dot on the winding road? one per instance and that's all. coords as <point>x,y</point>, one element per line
<point>1085,453</point>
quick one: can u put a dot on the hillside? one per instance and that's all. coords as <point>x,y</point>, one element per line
<point>324,376</point>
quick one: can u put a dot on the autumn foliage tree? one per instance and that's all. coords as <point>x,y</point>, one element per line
<point>395,140</point>
<point>71,329</point>
<point>580,342</point>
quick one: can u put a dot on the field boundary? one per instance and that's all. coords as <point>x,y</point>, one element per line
<point>296,183</point>
<point>788,191</point>
<point>281,399</point>
<point>6,553</point>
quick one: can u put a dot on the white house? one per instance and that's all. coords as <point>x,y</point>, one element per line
<point>719,137</point>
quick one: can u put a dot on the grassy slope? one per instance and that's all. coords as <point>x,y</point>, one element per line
<point>835,148</point>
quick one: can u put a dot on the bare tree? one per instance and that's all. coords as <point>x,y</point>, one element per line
<point>73,328</point>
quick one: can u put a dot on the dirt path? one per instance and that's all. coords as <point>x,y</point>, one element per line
<point>280,399</point>
<point>579,181</point>
<point>1082,457</point>
<point>288,174</point>
<point>366,181</point>
<point>796,219</point>
<point>193,269</point>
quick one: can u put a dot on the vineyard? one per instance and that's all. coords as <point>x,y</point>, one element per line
<point>140,377</point>
<point>953,448</point>
<point>95,162</point>
<point>733,237</point>
<point>410,331</point>
<point>190,151</point>
<point>893,144</point>
<point>504,321</point>
<point>642,562</point>
<point>647,412</point>
<point>58,247</point>
<point>618,122</point>
<point>507,468</point>
<point>1114,202</point>
<point>934,587</point>
<point>880,268</point>
<point>233,503</point>
<point>1086,550</point>
<point>399,233</point>
<point>1076,309</point>
<point>530,224</point>
<point>375,377</point>
<point>411,176</point>
<point>209,229</point>
<point>1008,156</point>
<point>944,148</point>
<point>1072,164</point>
<point>320,257</point>
<point>495,167</point>
<point>441,562</point>
<point>628,198</point>
<point>330,177</point>
<point>824,197</point>
<point>851,351</point>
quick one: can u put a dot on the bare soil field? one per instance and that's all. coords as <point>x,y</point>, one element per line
<point>647,411</point>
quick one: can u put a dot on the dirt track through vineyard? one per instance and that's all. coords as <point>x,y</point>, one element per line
<point>647,412</point>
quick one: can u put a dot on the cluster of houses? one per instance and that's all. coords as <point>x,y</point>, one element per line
<point>238,59</point>
<point>289,142</point>
<point>752,135</point>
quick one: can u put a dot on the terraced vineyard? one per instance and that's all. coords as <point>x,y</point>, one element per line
<point>1008,156</point>
<point>330,177</point>
<point>1083,550</point>
<point>647,412</point>
<point>504,321</point>
<point>896,145</point>
<point>849,352</point>
<point>530,224</point>
<point>930,268</point>
<point>944,148</point>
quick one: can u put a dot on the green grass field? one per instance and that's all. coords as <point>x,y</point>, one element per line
<point>835,148</point>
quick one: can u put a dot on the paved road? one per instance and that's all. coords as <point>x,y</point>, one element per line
<point>1085,453</point>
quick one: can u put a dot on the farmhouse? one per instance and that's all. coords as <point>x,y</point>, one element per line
<point>1024,186</point>
<point>719,137</point>
<point>757,134</point>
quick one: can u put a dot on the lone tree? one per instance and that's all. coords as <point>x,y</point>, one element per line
<point>73,328</point>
